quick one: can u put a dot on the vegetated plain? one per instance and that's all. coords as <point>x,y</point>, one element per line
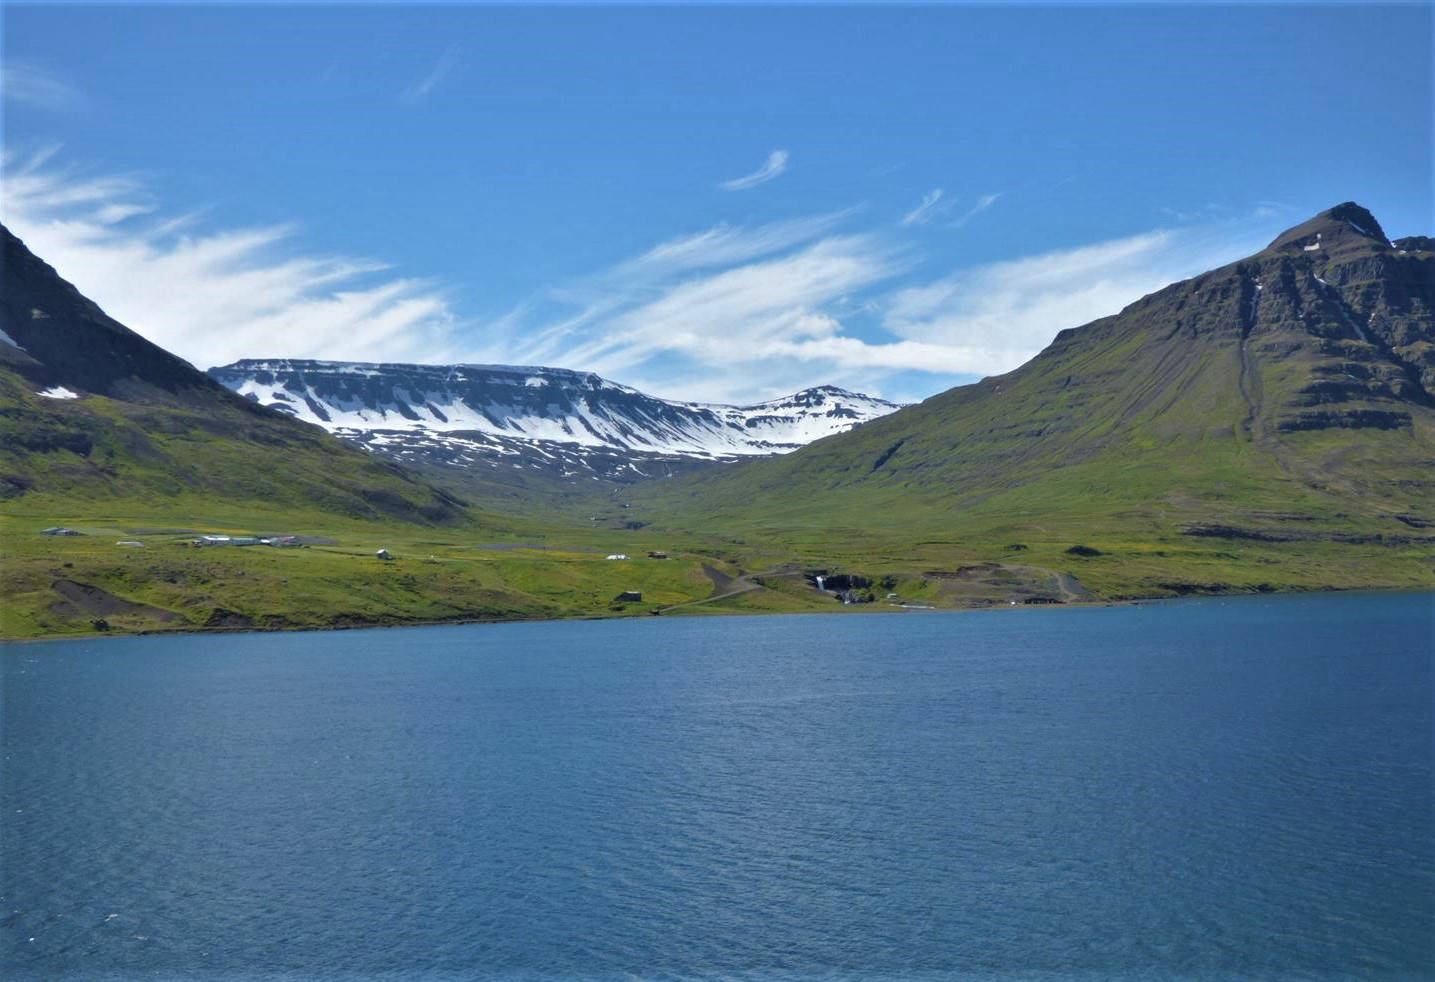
<point>1266,426</point>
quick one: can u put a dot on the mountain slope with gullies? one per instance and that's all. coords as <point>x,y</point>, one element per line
<point>1279,405</point>
<point>92,411</point>
<point>551,429</point>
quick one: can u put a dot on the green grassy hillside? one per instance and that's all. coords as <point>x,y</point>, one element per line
<point>126,573</point>
<point>133,423</point>
<point>1265,425</point>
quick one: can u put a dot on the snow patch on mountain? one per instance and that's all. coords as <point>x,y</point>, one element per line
<point>525,407</point>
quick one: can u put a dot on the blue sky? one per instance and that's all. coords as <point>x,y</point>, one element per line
<point>719,203</point>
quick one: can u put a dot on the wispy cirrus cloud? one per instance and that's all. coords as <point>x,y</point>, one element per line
<point>426,84</point>
<point>745,314</point>
<point>990,318</point>
<point>935,203</point>
<point>29,84</point>
<point>216,295</point>
<point>930,204</point>
<point>738,313</point>
<point>774,166</point>
<point>983,203</point>
<point>728,313</point>
<point>725,244</point>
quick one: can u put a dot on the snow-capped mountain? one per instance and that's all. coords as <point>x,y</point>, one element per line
<point>549,417</point>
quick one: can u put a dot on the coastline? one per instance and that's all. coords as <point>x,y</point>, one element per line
<point>843,610</point>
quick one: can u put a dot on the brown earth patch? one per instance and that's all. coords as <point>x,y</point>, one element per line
<point>82,598</point>
<point>722,583</point>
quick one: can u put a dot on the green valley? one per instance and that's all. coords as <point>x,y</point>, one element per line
<point>1265,426</point>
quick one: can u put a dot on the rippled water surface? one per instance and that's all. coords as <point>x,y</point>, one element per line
<point>1220,788</point>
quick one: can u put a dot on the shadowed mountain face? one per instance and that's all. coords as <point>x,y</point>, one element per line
<point>88,406</point>
<point>54,335</point>
<point>1297,382</point>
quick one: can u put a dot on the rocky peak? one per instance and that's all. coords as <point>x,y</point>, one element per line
<point>1344,228</point>
<point>1415,243</point>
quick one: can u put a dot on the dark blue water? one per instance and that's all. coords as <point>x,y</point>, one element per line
<point>1224,788</point>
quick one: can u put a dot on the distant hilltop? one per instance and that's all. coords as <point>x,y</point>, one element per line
<point>520,413</point>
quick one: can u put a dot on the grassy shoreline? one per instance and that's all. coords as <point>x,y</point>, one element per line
<point>92,585</point>
<point>847,611</point>
<point>696,609</point>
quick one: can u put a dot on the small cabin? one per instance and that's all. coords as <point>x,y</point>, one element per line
<point>384,555</point>
<point>629,596</point>
<point>655,554</point>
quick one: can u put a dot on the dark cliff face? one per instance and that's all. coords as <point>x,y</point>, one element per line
<point>68,340</point>
<point>1328,326</point>
<point>162,426</point>
<point>1349,280</point>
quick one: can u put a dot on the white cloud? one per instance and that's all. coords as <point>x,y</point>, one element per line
<point>746,313</point>
<point>441,70</point>
<point>742,314</point>
<point>989,319</point>
<point>219,295</point>
<point>113,214</point>
<point>983,203</point>
<point>935,203</point>
<point>732,313</point>
<point>558,325</point>
<point>726,244</point>
<point>775,165</point>
<point>26,83</point>
<point>930,204</point>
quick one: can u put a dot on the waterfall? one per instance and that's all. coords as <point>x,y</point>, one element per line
<point>819,581</point>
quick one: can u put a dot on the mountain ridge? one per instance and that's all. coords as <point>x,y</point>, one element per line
<point>89,406</point>
<point>1266,425</point>
<point>1294,382</point>
<point>569,423</point>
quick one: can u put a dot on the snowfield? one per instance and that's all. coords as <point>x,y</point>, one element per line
<point>527,407</point>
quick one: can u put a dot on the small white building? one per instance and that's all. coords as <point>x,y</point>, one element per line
<point>383,554</point>
<point>619,555</point>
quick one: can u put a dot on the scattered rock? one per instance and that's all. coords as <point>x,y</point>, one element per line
<point>224,617</point>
